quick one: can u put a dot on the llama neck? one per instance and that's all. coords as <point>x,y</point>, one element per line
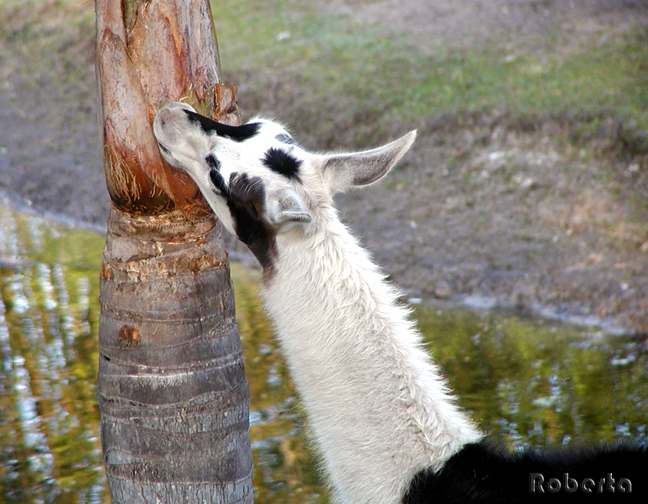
<point>377,405</point>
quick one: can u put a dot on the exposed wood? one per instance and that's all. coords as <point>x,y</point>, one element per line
<point>173,395</point>
<point>164,51</point>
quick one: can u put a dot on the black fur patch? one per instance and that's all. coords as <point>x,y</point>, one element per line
<point>213,162</point>
<point>236,133</point>
<point>484,473</point>
<point>214,175</point>
<point>246,202</point>
<point>282,163</point>
<point>285,138</point>
<point>219,182</point>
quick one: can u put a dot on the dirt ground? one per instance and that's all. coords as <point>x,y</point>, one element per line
<point>470,22</point>
<point>487,208</point>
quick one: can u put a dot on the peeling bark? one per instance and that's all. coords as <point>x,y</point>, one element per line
<point>150,53</point>
<point>173,394</point>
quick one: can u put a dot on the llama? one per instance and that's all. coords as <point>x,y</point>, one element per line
<point>382,416</point>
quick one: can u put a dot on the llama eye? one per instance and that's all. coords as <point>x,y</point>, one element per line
<point>219,183</point>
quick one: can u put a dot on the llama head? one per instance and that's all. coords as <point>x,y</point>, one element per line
<point>257,180</point>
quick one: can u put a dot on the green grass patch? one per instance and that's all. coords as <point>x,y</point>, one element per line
<point>47,41</point>
<point>373,74</point>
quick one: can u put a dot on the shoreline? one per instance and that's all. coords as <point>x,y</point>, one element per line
<point>473,303</point>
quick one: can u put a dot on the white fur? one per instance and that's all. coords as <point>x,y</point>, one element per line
<point>378,407</point>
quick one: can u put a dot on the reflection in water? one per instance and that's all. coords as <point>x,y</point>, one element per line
<point>49,445</point>
<point>538,384</point>
<point>528,383</point>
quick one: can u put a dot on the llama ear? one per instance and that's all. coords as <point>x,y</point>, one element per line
<point>287,209</point>
<point>362,168</point>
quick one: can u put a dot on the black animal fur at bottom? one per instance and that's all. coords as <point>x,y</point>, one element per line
<point>485,473</point>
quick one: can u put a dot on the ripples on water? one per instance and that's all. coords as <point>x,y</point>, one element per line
<point>528,383</point>
<point>49,444</point>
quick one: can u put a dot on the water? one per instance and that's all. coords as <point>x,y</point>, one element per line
<point>49,444</point>
<point>528,383</point>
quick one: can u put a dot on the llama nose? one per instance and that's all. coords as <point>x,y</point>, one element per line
<point>164,116</point>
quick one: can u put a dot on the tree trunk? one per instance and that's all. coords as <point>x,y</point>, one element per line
<point>173,395</point>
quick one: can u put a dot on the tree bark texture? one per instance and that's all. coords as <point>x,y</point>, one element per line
<point>173,395</point>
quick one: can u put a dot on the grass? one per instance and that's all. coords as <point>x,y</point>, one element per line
<point>48,45</point>
<point>365,72</point>
<point>350,84</point>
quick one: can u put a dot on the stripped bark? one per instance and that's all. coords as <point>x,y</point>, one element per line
<point>163,50</point>
<point>173,395</point>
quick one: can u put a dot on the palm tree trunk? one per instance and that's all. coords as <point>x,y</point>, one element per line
<point>173,395</point>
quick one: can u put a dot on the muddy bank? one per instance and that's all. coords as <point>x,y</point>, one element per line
<point>499,213</point>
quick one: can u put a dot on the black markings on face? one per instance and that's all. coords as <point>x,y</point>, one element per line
<point>285,138</point>
<point>214,175</point>
<point>213,162</point>
<point>219,183</point>
<point>246,202</point>
<point>236,133</point>
<point>282,163</point>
